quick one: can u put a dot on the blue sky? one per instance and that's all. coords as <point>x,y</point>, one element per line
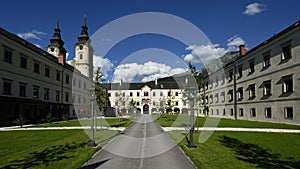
<point>225,23</point>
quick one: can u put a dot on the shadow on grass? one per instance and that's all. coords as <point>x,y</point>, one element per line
<point>257,155</point>
<point>54,153</point>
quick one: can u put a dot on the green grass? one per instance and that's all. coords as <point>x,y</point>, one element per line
<point>166,120</point>
<point>244,150</point>
<point>112,122</point>
<point>48,149</point>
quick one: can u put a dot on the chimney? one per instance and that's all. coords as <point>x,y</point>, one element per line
<point>121,81</point>
<point>155,81</point>
<point>242,50</point>
<point>62,59</point>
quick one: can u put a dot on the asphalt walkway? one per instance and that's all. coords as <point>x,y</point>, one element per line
<point>143,145</point>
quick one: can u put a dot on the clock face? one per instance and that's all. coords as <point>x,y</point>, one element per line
<point>80,47</point>
<point>52,49</point>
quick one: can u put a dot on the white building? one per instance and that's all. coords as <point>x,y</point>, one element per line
<point>161,95</point>
<point>34,82</point>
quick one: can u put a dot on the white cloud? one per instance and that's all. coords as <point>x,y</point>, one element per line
<point>34,34</point>
<point>234,42</point>
<point>144,72</point>
<point>37,45</point>
<point>203,53</point>
<point>254,8</point>
<point>105,64</point>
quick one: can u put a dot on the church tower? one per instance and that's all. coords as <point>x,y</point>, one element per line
<point>56,46</point>
<point>84,52</point>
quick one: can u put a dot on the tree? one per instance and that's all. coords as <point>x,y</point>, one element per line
<point>170,102</point>
<point>101,91</point>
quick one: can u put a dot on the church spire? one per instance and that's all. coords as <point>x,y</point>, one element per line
<point>56,39</point>
<point>83,37</point>
<point>56,46</point>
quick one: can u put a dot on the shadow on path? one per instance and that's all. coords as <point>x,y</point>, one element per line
<point>44,157</point>
<point>257,155</point>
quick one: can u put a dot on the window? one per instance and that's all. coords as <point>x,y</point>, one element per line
<point>116,94</point>
<point>217,97</point>
<point>169,93</point>
<point>137,94</point>
<point>7,56</point>
<point>251,66</point>
<point>286,52</point>
<point>176,93</point>
<point>267,88</point>
<point>67,79</point>
<point>58,75</point>
<point>73,98</point>
<point>217,81</point>
<point>176,103</point>
<point>218,112</point>
<point>253,112</point>
<point>23,62</point>
<point>138,103</point>
<point>35,93</point>
<point>130,94</point>
<point>288,113</point>
<point>268,112</point>
<point>79,83</point>
<point>66,97</point>
<point>153,103</point>
<point>223,95</point>
<point>224,112</point>
<point>230,94</point>
<point>47,71</point>
<point>57,96</point>
<point>109,94</point>
<point>46,94</point>
<point>146,94</point>
<point>240,93</point>
<point>36,67</point>
<point>211,98</point>
<point>287,84</point>
<point>231,112</point>
<point>240,71</point>
<point>80,56</point>
<point>22,90</point>
<point>241,112</point>
<point>212,112</point>
<point>7,87</point>
<point>84,85</point>
<point>206,84</point>
<point>161,93</point>
<point>266,62</point>
<point>252,91</point>
<point>123,94</point>
<point>153,94</point>
<point>230,75</point>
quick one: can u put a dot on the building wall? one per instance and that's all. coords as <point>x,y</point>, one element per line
<point>276,74</point>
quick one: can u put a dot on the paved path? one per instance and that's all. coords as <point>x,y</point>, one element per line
<point>266,130</point>
<point>143,145</point>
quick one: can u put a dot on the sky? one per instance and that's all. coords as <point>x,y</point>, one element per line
<point>140,40</point>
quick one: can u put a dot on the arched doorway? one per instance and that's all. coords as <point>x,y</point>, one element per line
<point>146,109</point>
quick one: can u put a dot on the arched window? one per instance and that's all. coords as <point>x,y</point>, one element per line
<point>80,56</point>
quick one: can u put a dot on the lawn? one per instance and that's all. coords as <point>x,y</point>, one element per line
<point>112,122</point>
<point>48,149</point>
<point>166,120</point>
<point>244,150</point>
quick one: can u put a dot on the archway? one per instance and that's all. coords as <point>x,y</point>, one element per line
<point>146,109</point>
